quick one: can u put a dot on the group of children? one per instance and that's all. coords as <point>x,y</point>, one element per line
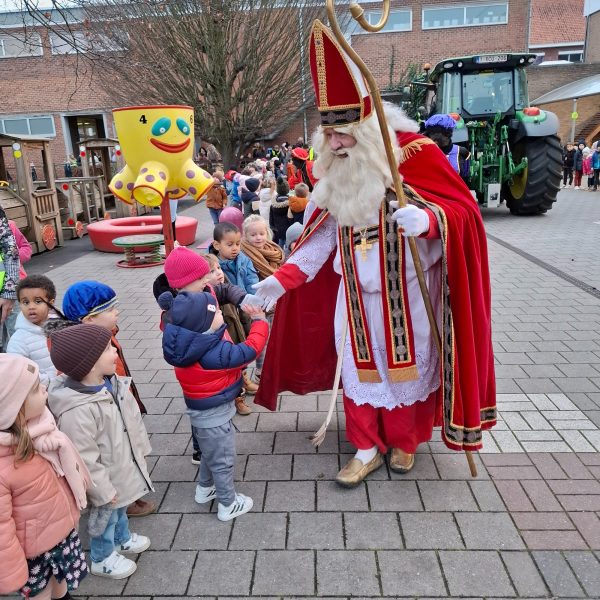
<point>258,190</point>
<point>71,429</point>
<point>579,162</point>
<point>71,436</point>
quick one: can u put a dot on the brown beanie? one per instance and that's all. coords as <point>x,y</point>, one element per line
<point>75,350</point>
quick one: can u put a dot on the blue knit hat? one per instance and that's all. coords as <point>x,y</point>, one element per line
<point>444,121</point>
<point>86,299</point>
<point>191,310</point>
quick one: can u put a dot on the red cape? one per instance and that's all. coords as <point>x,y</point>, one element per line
<point>301,355</point>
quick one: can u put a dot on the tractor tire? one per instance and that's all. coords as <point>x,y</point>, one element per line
<point>535,190</point>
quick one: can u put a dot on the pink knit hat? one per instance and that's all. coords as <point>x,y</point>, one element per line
<point>18,375</point>
<point>184,266</point>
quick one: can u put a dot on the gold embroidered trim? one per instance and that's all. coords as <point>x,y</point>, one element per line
<point>410,149</point>
<point>404,374</point>
<point>321,72</point>
<point>368,376</point>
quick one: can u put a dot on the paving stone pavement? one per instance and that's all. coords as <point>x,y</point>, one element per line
<point>527,527</point>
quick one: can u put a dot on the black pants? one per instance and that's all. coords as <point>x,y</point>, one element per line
<point>568,173</point>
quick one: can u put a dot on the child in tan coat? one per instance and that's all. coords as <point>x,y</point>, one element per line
<point>96,409</point>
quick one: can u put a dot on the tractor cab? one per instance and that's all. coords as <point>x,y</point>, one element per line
<point>481,86</point>
<point>512,146</point>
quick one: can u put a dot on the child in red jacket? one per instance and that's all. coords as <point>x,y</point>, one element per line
<point>209,367</point>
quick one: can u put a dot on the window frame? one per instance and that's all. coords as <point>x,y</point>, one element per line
<point>566,53</point>
<point>464,9</point>
<point>361,31</point>
<point>28,117</point>
<point>37,45</point>
<point>72,49</point>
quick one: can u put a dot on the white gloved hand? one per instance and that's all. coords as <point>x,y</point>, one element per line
<point>251,300</point>
<point>412,220</point>
<point>269,290</point>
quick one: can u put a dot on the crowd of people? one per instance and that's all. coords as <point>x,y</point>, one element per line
<point>276,188</point>
<point>581,164</point>
<point>334,256</point>
<point>71,428</point>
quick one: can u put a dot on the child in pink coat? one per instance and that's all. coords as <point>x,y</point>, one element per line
<point>43,484</point>
<point>24,247</point>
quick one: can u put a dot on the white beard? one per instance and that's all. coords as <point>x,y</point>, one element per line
<point>352,187</point>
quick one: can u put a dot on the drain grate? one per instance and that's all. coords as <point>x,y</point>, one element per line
<point>586,287</point>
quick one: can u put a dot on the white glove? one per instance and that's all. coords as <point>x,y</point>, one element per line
<point>251,300</point>
<point>412,220</point>
<point>269,290</point>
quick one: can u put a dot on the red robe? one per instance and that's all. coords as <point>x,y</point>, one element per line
<point>301,355</point>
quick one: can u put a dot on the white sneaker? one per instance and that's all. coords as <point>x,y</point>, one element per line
<point>576,187</point>
<point>135,544</point>
<point>114,566</point>
<point>241,505</point>
<point>205,494</point>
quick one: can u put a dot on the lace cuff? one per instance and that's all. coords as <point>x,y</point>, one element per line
<point>313,253</point>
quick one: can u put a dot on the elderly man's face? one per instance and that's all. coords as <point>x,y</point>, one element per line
<point>338,142</point>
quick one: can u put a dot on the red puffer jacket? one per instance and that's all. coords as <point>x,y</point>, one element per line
<point>217,378</point>
<point>37,510</point>
<point>208,366</point>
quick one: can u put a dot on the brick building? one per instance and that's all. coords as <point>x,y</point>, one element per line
<point>431,30</point>
<point>47,90</point>
<point>557,30</point>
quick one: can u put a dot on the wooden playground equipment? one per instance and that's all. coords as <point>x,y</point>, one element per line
<point>33,205</point>
<point>85,198</point>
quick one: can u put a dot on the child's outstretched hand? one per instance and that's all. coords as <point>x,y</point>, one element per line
<point>251,311</point>
<point>251,304</point>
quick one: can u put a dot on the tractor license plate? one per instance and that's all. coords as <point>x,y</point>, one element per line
<point>493,195</point>
<point>491,58</point>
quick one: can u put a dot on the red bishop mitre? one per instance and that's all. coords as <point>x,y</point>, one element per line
<point>342,94</point>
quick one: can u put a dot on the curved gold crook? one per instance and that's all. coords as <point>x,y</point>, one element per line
<point>358,14</point>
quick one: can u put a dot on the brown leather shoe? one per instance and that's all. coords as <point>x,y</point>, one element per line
<point>249,385</point>
<point>140,508</point>
<point>241,406</point>
<point>354,471</point>
<point>400,461</point>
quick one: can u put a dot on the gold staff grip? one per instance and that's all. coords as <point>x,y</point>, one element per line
<point>358,14</point>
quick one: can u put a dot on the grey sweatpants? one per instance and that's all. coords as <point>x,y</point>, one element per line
<point>217,445</point>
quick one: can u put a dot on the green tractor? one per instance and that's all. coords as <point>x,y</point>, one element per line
<point>515,152</point>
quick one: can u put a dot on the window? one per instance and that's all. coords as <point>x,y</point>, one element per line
<point>69,43</point>
<point>41,126</point>
<point>81,41</point>
<point>487,93</point>
<point>449,93</point>
<point>399,20</point>
<point>521,94</point>
<point>465,15</point>
<point>17,45</point>
<point>571,55</point>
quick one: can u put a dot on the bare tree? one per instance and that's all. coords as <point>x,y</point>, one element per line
<point>242,64</point>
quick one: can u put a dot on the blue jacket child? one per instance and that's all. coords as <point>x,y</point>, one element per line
<point>236,266</point>
<point>208,365</point>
